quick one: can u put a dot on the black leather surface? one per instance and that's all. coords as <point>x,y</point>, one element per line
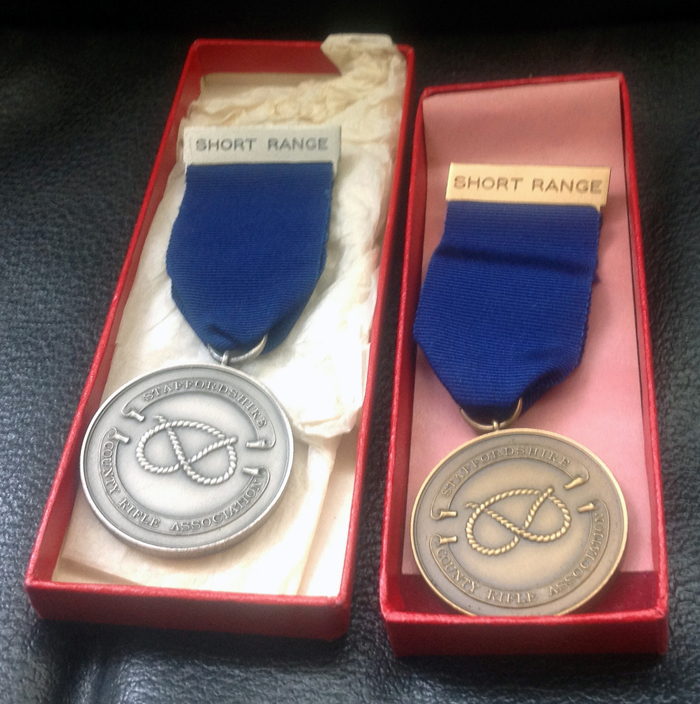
<point>81,114</point>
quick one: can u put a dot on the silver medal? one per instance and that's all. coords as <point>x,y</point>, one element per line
<point>186,460</point>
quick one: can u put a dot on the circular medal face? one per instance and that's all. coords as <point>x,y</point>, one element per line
<point>519,523</point>
<point>186,460</point>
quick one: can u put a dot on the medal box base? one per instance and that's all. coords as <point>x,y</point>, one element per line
<point>607,404</point>
<point>298,615</point>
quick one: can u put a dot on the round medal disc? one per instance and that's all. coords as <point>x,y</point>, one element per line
<point>519,523</point>
<point>186,460</point>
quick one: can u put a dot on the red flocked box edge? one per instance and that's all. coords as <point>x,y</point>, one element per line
<point>426,628</point>
<point>295,616</point>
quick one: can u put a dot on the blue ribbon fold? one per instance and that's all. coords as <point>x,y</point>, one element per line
<point>503,312</point>
<point>247,249</point>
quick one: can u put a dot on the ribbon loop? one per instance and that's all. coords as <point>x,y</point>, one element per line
<point>247,249</point>
<point>503,311</point>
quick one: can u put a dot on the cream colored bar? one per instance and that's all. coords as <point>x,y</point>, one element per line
<point>550,185</point>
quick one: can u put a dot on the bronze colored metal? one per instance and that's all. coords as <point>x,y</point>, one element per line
<point>519,523</point>
<point>495,425</point>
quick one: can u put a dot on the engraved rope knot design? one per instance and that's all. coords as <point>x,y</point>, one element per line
<point>183,462</point>
<point>517,531</point>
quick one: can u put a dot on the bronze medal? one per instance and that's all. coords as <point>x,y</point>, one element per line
<point>519,523</point>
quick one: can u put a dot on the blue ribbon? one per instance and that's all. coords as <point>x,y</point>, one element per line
<point>503,312</point>
<point>247,249</point>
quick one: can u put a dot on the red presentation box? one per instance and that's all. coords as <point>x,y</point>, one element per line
<point>298,616</point>
<point>607,404</point>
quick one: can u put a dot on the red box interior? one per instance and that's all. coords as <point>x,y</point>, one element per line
<point>631,616</point>
<point>298,616</point>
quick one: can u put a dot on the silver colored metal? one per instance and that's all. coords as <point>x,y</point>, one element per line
<point>228,359</point>
<point>186,460</point>
<point>519,523</point>
<point>495,425</point>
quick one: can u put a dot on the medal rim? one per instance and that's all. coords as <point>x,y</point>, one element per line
<point>548,434</point>
<point>209,548</point>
